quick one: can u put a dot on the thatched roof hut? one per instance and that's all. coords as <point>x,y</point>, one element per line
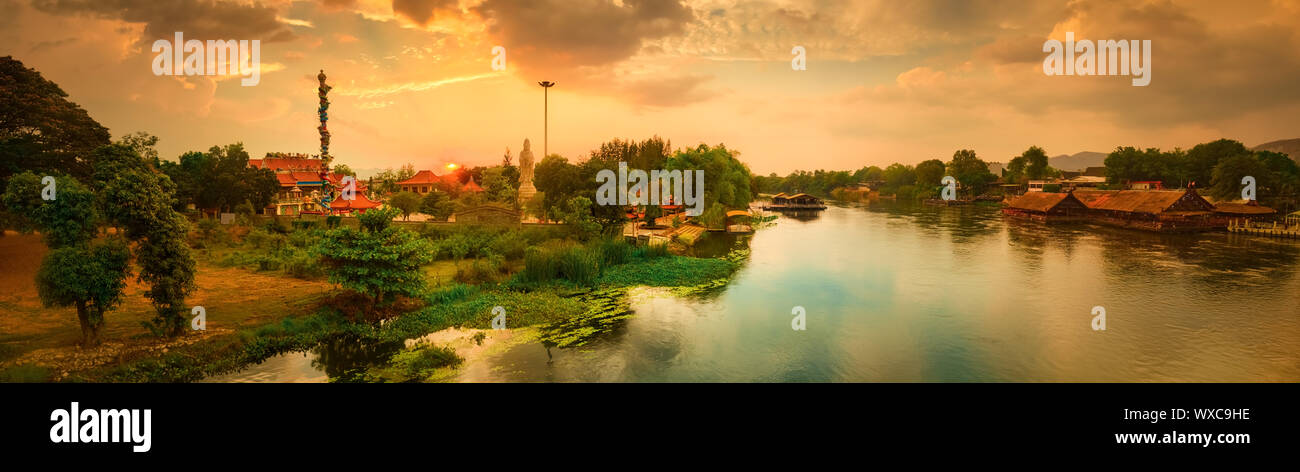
<point>1045,206</point>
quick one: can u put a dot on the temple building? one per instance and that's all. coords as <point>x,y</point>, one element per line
<point>426,181</point>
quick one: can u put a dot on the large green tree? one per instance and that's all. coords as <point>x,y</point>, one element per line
<point>40,129</point>
<point>379,261</point>
<point>970,171</point>
<point>405,202</point>
<point>1203,158</point>
<point>140,200</point>
<point>79,270</point>
<point>438,205</point>
<point>220,179</point>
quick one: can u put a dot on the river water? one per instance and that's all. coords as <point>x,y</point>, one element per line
<point>899,292</point>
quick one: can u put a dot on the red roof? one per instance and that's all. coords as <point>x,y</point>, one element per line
<point>289,179</point>
<point>424,177</point>
<point>282,165</point>
<point>359,203</point>
<point>471,186</point>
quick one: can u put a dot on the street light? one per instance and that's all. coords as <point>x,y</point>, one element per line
<point>546,86</point>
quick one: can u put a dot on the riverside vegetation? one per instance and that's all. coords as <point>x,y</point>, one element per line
<point>542,277</point>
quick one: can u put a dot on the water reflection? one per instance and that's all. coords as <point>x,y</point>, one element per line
<point>898,292</point>
<point>343,358</point>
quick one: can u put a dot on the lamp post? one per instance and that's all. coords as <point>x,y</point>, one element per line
<point>546,87</point>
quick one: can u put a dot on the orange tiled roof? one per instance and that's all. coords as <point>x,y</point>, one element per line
<point>424,177</point>
<point>359,203</point>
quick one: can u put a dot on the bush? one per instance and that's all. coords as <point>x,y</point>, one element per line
<point>303,239</point>
<point>303,265</point>
<point>482,270</point>
<point>260,238</point>
<point>575,264</point>
<point>614,251</point>
<point>209,230</point>
<point>274,226</point>
<point>510,245</point>
<point>332,222</point>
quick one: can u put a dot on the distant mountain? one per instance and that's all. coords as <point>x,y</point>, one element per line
<point>1290,147</point>
<point>1077,161</point>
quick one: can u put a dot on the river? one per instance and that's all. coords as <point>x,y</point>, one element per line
<point>900,292</point>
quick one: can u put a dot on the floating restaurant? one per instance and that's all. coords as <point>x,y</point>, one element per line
<point>798,201</point>
<point>1046,207</point>
<point>1151,210</point>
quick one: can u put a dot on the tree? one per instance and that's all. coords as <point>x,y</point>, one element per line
<point>1035,163</point>
<point>438,205</point>
<point>728,180</point>
<point>652,213</point>
<point>1203,158</point>
<point>40,129</point>
<point>577,214</point>
<point>558,181</point>
<point>406,202</point>
<point>138,199</point>
<point>343,169</point>
<point>972,172</point>
<point>899,175</point>
<point>220,179</point>
<point>78,271</point>
<point>1227,175</point>
<point>378,261</point>
<point>929,173</point>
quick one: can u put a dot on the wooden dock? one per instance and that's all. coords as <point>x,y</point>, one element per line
<point>1264,229</point>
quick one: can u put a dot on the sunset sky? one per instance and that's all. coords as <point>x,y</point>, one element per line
<point>886,80</point>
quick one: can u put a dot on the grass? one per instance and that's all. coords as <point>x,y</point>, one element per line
<point>25,373</point>
<point>572,292</point>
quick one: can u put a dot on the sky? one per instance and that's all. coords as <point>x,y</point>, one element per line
<point>885,81</point>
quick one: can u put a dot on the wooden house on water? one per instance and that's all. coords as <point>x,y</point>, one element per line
<point>738,222</point>
<point>1243,210</point>
<point>1046,207</point>
<point>1151,210</point>
<point>798,201</point>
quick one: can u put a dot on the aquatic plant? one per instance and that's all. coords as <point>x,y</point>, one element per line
<point>606,310</point>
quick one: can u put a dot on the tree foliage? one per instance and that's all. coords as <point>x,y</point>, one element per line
<point>40,129</point>
<point>78,271</point>
<point>970,171</point>
<point>220,179</point>
<point>405,202</point>
<point>438,205</point>
<point>137,198</point>
<point>379,261</point>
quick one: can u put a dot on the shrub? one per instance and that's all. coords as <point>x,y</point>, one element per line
<point>260,238</point>
<point>575,264</point>
<point>274,226</point>
<point>482,270</point>
<point>209,229</point>
<point>613,251</point>
<point>450,294</point>
<point>303,265</point>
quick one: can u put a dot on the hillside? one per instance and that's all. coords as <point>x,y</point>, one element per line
<point>1290,147</point>
<point>1077,161</point>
